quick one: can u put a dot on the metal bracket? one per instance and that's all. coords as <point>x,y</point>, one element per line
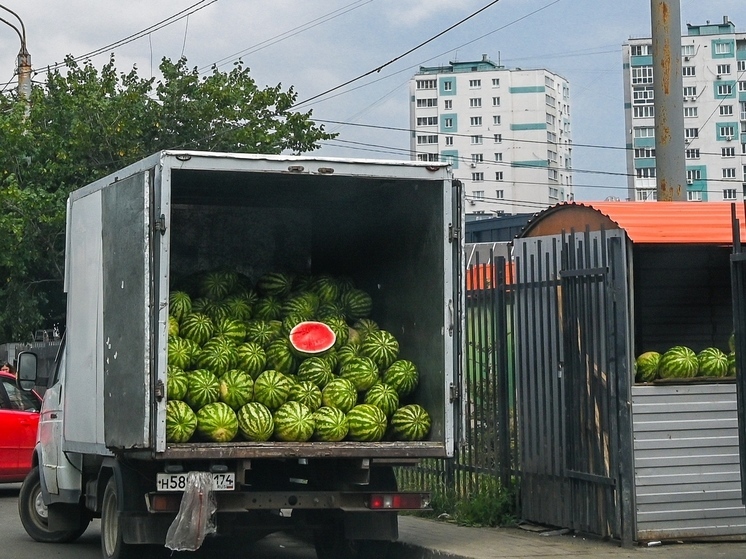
<point>160,224</point>
<point>453,392</point>
<point>160,391</point>
<point>454,233</point>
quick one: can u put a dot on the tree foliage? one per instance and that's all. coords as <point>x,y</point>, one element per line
<point>84,123</point>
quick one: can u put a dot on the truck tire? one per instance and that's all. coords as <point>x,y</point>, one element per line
<point>34,513</point>
<point>112,544</point>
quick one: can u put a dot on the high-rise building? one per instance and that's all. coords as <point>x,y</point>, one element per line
<point>713,59</point>
<point>506,132</point>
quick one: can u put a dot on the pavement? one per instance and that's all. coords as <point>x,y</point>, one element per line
<point>421,538</point>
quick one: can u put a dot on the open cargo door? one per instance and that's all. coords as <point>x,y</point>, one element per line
<point>738,290</point>
<point>126,258</point>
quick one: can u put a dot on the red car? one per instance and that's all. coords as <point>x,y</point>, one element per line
<point>19,417</point>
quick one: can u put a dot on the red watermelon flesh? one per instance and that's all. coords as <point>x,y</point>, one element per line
<point>312,338</point>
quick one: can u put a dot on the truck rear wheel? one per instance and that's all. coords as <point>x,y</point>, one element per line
<point>35,515</point>
<point>112,544</point>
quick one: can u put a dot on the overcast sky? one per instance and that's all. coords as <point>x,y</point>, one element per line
<point>316,45</point>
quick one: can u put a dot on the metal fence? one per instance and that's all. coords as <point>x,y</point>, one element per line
<point>485,453</point>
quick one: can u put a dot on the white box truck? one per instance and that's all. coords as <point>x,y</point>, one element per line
<point>392,226</point>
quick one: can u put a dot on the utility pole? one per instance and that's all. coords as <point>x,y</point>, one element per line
<point>23,61</point>
<point>668,90</point>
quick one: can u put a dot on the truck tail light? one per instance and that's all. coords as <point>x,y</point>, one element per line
<point>399,501</point>
<point>160,502</point>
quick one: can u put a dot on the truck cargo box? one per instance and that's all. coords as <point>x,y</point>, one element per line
<point>389,226</point>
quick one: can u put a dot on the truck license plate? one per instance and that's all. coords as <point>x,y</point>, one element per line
<point>178,482</point>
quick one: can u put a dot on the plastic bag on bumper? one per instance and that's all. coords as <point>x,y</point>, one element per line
<point>196,516</point>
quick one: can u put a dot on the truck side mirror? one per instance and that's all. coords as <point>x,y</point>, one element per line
<point>27,370</point>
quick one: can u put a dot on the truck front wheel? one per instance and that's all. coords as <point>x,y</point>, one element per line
<point>35,514</point>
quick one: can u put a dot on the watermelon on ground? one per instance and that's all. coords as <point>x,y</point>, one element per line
<point>181,421</point>
<point>293,422</point>
<point>410,423</point>
<point>217,422</point>
<point>236,388</point>
<point>367,423</point>
<point>255,422</point>
<point>646,366</point>
<point>272,388</point>
<point>712,362</point>
<point>678,362</point>
<point>330,424</point>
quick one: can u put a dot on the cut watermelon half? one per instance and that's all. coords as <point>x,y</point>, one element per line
<point>312,338</point>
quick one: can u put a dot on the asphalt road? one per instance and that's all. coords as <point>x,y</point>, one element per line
<point>15,543</point>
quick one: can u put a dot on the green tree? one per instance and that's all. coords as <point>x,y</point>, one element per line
<point>84,123</point>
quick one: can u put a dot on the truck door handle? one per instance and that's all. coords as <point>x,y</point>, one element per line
<point>53,415</point>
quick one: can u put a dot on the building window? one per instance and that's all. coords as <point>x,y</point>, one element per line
<point>694,196</point>
<point>644,132</point>
<point>644,111</point>
<point>554,193</point>
<point>448,104</point>
<point>643,95</point>
<point>551,156</point>
<point>499,176</point>
<point>475,121</point>
<point>725,90</point>
<point>429,139</point>
<point>644,153</point>
<point>690,112</point>
<point>477,158</point>
<point>728,152</point>
<point>742,65</point>
<point>498,157</point>
<point>723,48</point>
<point>477,177</point>
<point>448,85</point>
<point>691,133</point>
<point>427,121</point>
<point>551,137</point>
<point>426,84</point>
<point>427,102</point>
<point>553,174</point>
<point>726,131</point>
<point>729,194</point>
<point>550,101</point>
<point>475,102</point>
<point>449,140</point>
<point>690,91</point>
<point>448,122</point>
<point>693,175</point>
<point>499,194</point>
<point>726,110</point>
<point>723,69</point>
<point>687,50</point>
<point>427,157</point>
<point>692,153</point>
<point>640,50</point>
<point>476,139</point>
<point>495,82</point>
<point>729,173</point>
<point>742,85</point>
<point>498,138</point>
<point>644,194</point>
<point>642,75</point>
<point>688,71</point>
<point>475,84</point>
<point>496,120</point>
<point>646,173</point>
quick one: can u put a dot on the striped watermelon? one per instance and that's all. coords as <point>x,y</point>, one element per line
<point>326,288</point>
<point>217,311</point>
<point>217,285</point>
<point>330,424</point>
<point>260,332</point>
<point>197,326</point>
<point>678,362</point>
<point>331,309</point>
<point>173,326</point>
<point>339,393</point>
<point>217,422</point>
<point>177,381</point>
<point>272,389</point>
<point>311,338</point>
<point>302,304</point>
<point>250,357</point>
<point>218,355</point>
<point>347,352</point>
<point>367,423</point>
<point>280,356</point>
<point>290,321</point>
<point>646,366</point>
<point>357,304</point>
<point>365,326</point>
<point>332,359</point>
<point>402,376</point>
<point>293,422</point>
<point>179,304</point>
<point>410,423</point>
<point>193,349</point>
<point>732,364</point>
<point>179,353</point>
<point>361,372</point>
<point>340,328</point>
<point>275,284</point>
<point>712,362</point>
<point>239,307</point>
<point>203,388</point>
<point>236,388</point>
<point>231,328</point>
<point>255,422</point>
<point>302,282</point>
<point>307,393</point>
<point>382,347</point>
<point>268,308</point>
<point>315,369</point>
<point>383,396</point>
<point>181,421</point>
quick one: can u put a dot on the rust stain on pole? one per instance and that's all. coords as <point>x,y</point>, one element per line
<point>665,62</point>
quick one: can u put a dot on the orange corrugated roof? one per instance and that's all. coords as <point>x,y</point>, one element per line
<point>645,222</point>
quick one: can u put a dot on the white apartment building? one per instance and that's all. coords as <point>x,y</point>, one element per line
<point>713,59</point>
<point>505,131</point>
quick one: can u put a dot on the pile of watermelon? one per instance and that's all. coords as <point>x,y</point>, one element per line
<point>681,362</point>
<point>288,358</point>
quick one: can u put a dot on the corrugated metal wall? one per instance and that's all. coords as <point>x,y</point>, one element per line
<point>687,479</point>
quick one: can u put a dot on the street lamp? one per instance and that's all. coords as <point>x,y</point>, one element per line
<point>24,59</point>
